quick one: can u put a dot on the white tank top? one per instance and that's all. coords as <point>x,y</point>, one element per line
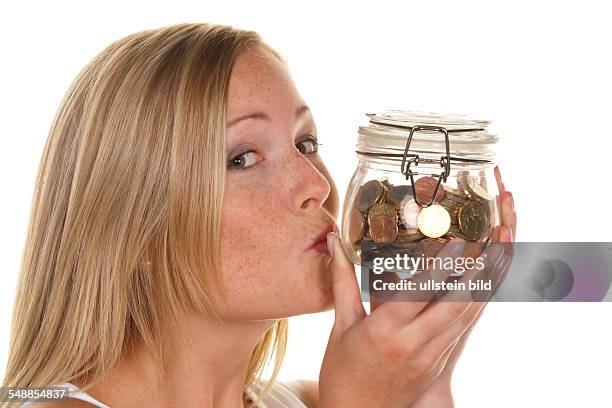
<point>279,397</point>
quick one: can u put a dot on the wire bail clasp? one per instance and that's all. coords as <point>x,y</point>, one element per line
<point>414,158</point>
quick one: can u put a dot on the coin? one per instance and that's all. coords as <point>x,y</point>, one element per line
<point>397,194</point>
<point>382,222</point>
<point>408,214</point>
<point>383,228</point>
<point>403,237</point>
<point>356,225</point>
<point>429,247</point>
<point>452,190</point>
<point>455,197</point>
<point>382,208</point>
<point>370,193</point>
<point>425,187</point>
<point>481,192</point>
<point>434,221</point>
<point>472,219</point>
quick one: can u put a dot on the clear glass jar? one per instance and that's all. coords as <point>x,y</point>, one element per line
<point>421,179</point>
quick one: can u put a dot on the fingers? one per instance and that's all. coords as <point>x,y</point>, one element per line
<point>508,214</point>
<point>500,183</point>
<point>453,305</point>
<point>396,312</point>
<point>465,324</point>
<point>347,297</point>
<point>507,204</point>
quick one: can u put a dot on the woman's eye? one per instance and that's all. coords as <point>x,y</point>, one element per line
<point>243,160</point>
<point>308,146</point>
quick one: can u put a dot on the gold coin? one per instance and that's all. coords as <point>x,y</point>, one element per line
<point>380,209</point>
<point>456,198</point>
<point>472,219</point>
<point>449,205</point>
<point>434,221</point>
<point>403,237</point>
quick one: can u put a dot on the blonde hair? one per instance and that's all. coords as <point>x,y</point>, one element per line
<point>117,244</point>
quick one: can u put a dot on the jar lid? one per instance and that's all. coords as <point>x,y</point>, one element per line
<point>387,134</point>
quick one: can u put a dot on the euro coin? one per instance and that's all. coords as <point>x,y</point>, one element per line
<point>433,221</point>
<point>404,237</point>
<point>382,208</point>
<point>425,187</point>
<point>408,214</point>
<point>397,194</point>
<point>472,219</point>
<point>429,247</point>
<point>383,228</point>
<point>369,194</point>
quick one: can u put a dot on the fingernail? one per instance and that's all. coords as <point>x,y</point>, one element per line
<point>330,243</point>
<point>504,236</point>
<point>496,251</point>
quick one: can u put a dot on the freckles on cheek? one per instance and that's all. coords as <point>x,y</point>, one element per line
<point>252,227</point>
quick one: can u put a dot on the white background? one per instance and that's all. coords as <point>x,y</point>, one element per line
<point>539,70</point>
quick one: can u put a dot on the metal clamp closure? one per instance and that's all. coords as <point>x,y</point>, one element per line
<point>414,158</point>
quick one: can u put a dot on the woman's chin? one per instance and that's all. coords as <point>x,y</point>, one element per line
<point>321,303</point>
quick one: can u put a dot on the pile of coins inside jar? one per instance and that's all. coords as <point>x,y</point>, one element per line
<point>388,216</point>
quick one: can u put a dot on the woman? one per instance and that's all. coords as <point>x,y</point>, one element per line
<point>181,215</point>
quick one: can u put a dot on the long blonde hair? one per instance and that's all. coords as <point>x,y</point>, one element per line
<point>117,243</point>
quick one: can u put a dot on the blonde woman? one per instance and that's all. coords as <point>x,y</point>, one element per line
<point>181,215</point>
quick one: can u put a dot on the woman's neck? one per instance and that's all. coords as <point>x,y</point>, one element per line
<point>211,375</point>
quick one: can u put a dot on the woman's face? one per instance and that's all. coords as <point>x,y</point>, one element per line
<point>278,198</point>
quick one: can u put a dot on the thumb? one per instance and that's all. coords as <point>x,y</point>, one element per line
<point>347,298</point>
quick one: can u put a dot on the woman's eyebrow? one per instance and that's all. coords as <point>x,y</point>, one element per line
<point>301,110</point>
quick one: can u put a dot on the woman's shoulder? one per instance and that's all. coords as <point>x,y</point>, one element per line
<point>306,390</point>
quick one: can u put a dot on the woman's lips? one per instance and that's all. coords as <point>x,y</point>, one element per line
<point>319,243</point>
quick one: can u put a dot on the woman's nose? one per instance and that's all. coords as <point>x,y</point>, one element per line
<point>311,188</point>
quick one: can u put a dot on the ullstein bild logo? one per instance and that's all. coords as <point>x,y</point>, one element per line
<point>523,272</point>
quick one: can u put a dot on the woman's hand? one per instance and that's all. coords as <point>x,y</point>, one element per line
<point>393,356</point>
<point>438,393</point>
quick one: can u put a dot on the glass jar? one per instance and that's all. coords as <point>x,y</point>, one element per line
<point>421,179</point>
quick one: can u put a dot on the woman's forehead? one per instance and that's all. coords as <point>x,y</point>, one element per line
<point>259,82</point>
